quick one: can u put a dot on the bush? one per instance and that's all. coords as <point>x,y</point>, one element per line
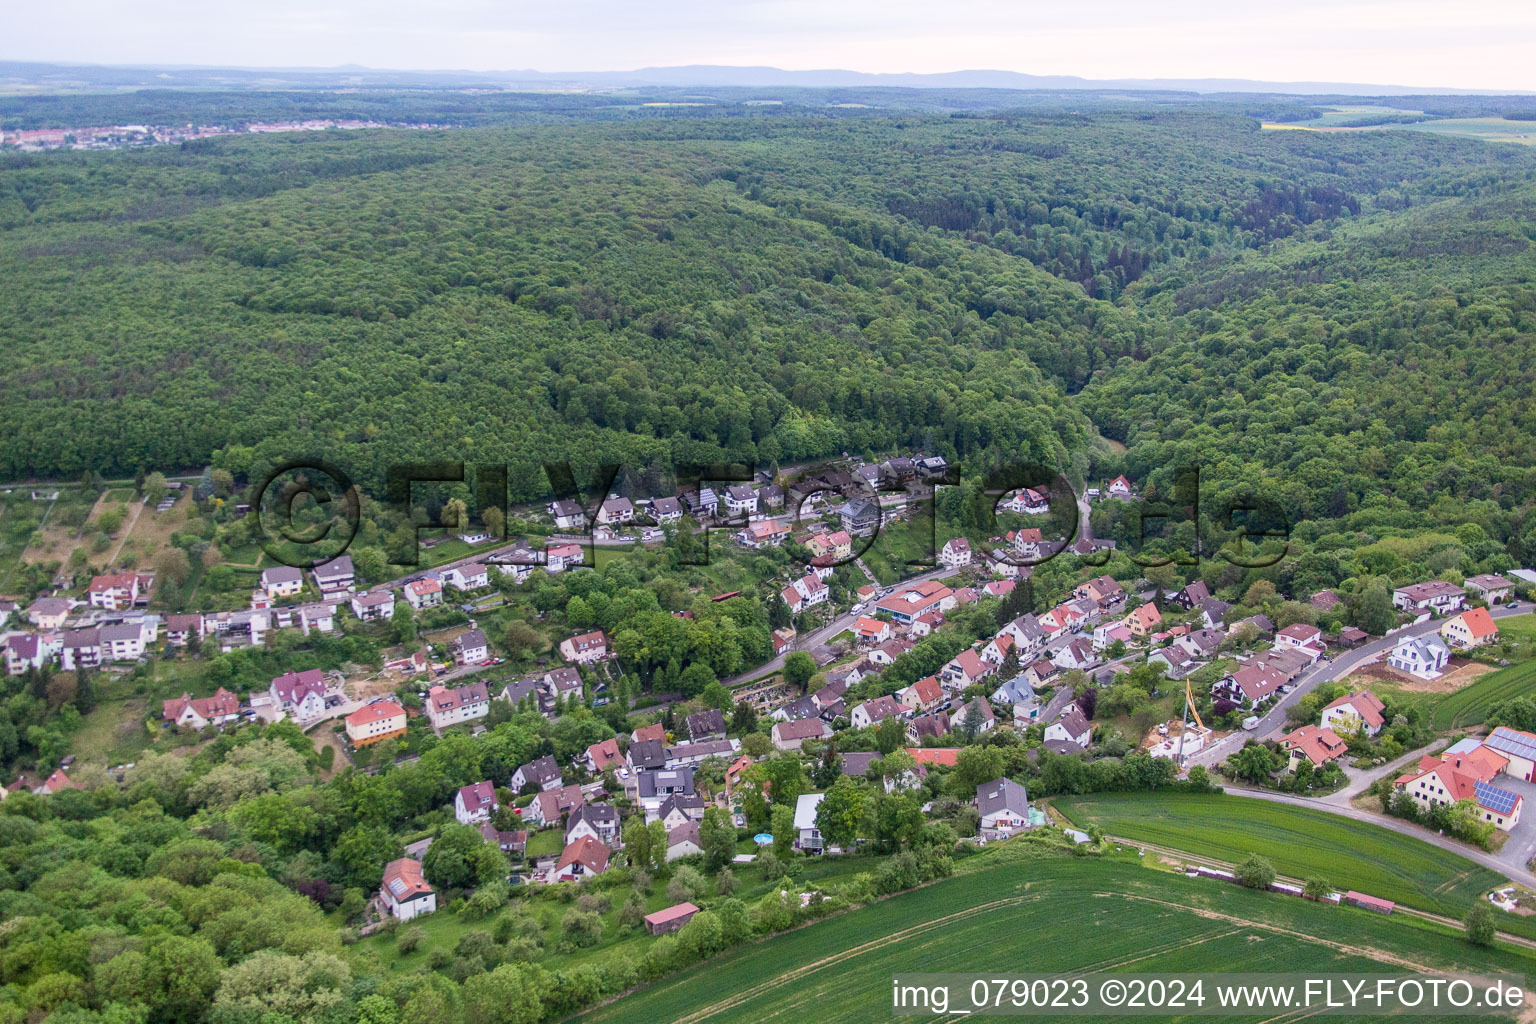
<point>582,928</point>
<point>1481,930</point>
<point>406,941</point>
<point>1256,872</point>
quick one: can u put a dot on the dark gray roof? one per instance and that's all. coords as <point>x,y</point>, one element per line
<point>1001,794</point>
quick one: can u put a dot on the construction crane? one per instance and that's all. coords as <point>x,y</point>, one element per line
<point>1189,709</point>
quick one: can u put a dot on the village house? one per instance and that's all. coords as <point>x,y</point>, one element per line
<point>966,669</point>
<point>740,500</point>
<point>334,576</point>
<point>567,514</point>
<point>585,858</point>
<point>679,809</point>
<point>405,891</point>
<point>282,581</point>
<point>1004,808</point>
<point>1019,695</point>
<point>181,630</point>
<point>188,712</point>
<point>117,592</point>
<point>469,576</point>
<point>806,592</point>
<point>955,553</point>
<point>887,653</point>
<point>604,755</point>
<point>543,774</point>
<point>1471,628</point>
<point>600,821</point>
<point>1076,655</point>
<point>1143,620</point>
<point>379,604</point>
<point>547,806</point>
<point>1192,594</point>
<point>1354,714</point>
<point>424,593</point>
<point>765,533</point>
<point>691,755</point>
<point>514,842</point>
<point>476,803</point>
<point>48,613</point>
<point>1435,596</point>
<point>560,557</point>
<point>922,695</point>
<point>1464,773</point>
<point>1120,488</point>
<point>615,512</point>
<point>447,707</point>
<point>652,788</point>
<point>1303,637</point>
<point>790,735</point>
<point>860,517</point>
<point>978,715</point>
<point>1072,727</point>
<point>708,724</point>
<point>1251,684</point>
<point>470,648</point>
<point>873,712</point>
<point>872,631</point>
<point>1176,662</point>
<point>586,648</point>
<point>300,694</point>
<point>1491,587</point>
<point>1213,613</point>
<point>646,754</point>
<point>1318,744</point>
<point>374,723</point>
<point>683,841</point>
<point>1104,591</point>
<point>1423,656</point>
<point>807,835</point>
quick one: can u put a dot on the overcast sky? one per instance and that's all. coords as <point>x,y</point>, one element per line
<point>1432,43</point>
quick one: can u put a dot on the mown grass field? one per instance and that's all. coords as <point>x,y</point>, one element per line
<point>1470,705</point>
<point>1041,916</point>
<point>1299,842</point>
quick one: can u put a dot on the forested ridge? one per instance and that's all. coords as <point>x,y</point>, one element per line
<point>1333,310</point>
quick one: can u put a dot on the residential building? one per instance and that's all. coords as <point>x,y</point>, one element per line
<point>806,592</point>
<point>335,576</point>
<point>117,592</point>
<point>1464,775</point>
<point>600,821</point>
<point>300,694</point>
<point>547,806</point>
<point>543,774</point>
<point>807,835</point>
<point>1354,714</point>
<point>405,891</point>
<point>585,858</point>
<point>860,517</point>
<point>1072,727</point>
<point>586,648</point>
<point>374,723</point>
<point>48,613</point>
<point>1318,744</point>
<point>373,606</point>
<point>567,515</point>
<point>683,841</point>
<point>476,803</point>
<point>873,712</point>
<point>560,557</point>
<point>470,648</point>
<point>790,735</point>
<point>955,553</point>
<point>1435,596</point>
<point>1004,808</point>
<point>424,593</point>
<point>282,581</point>
<point>1423,656</point>
<point>1491,587</point>
<point>188,712</point>
<point>615,511</point>
<point>469,576</point>
<point>1471,628</point>
<point>447,707</point>
<point>180,630</point>
<point>604,755</point>
<point>1143,620</point>
<point>708,724</point>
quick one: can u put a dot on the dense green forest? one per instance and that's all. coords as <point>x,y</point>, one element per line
<point>1346,318</point>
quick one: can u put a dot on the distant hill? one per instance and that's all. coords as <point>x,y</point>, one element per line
<point>351,76</point>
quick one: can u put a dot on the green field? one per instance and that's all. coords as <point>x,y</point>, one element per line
<point>1041,916</point>
<point>1469,705</point>
<point>1300,842</point>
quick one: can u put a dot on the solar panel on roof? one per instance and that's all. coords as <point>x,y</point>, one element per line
<point>1500,801</point>
<point>397,886</point>
<point>1508,741</point>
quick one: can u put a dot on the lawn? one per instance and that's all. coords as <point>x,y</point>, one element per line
<point>1045,916</point>
<point>1469,705</point>
<point>1299,842</point>
<point>548,843</point>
